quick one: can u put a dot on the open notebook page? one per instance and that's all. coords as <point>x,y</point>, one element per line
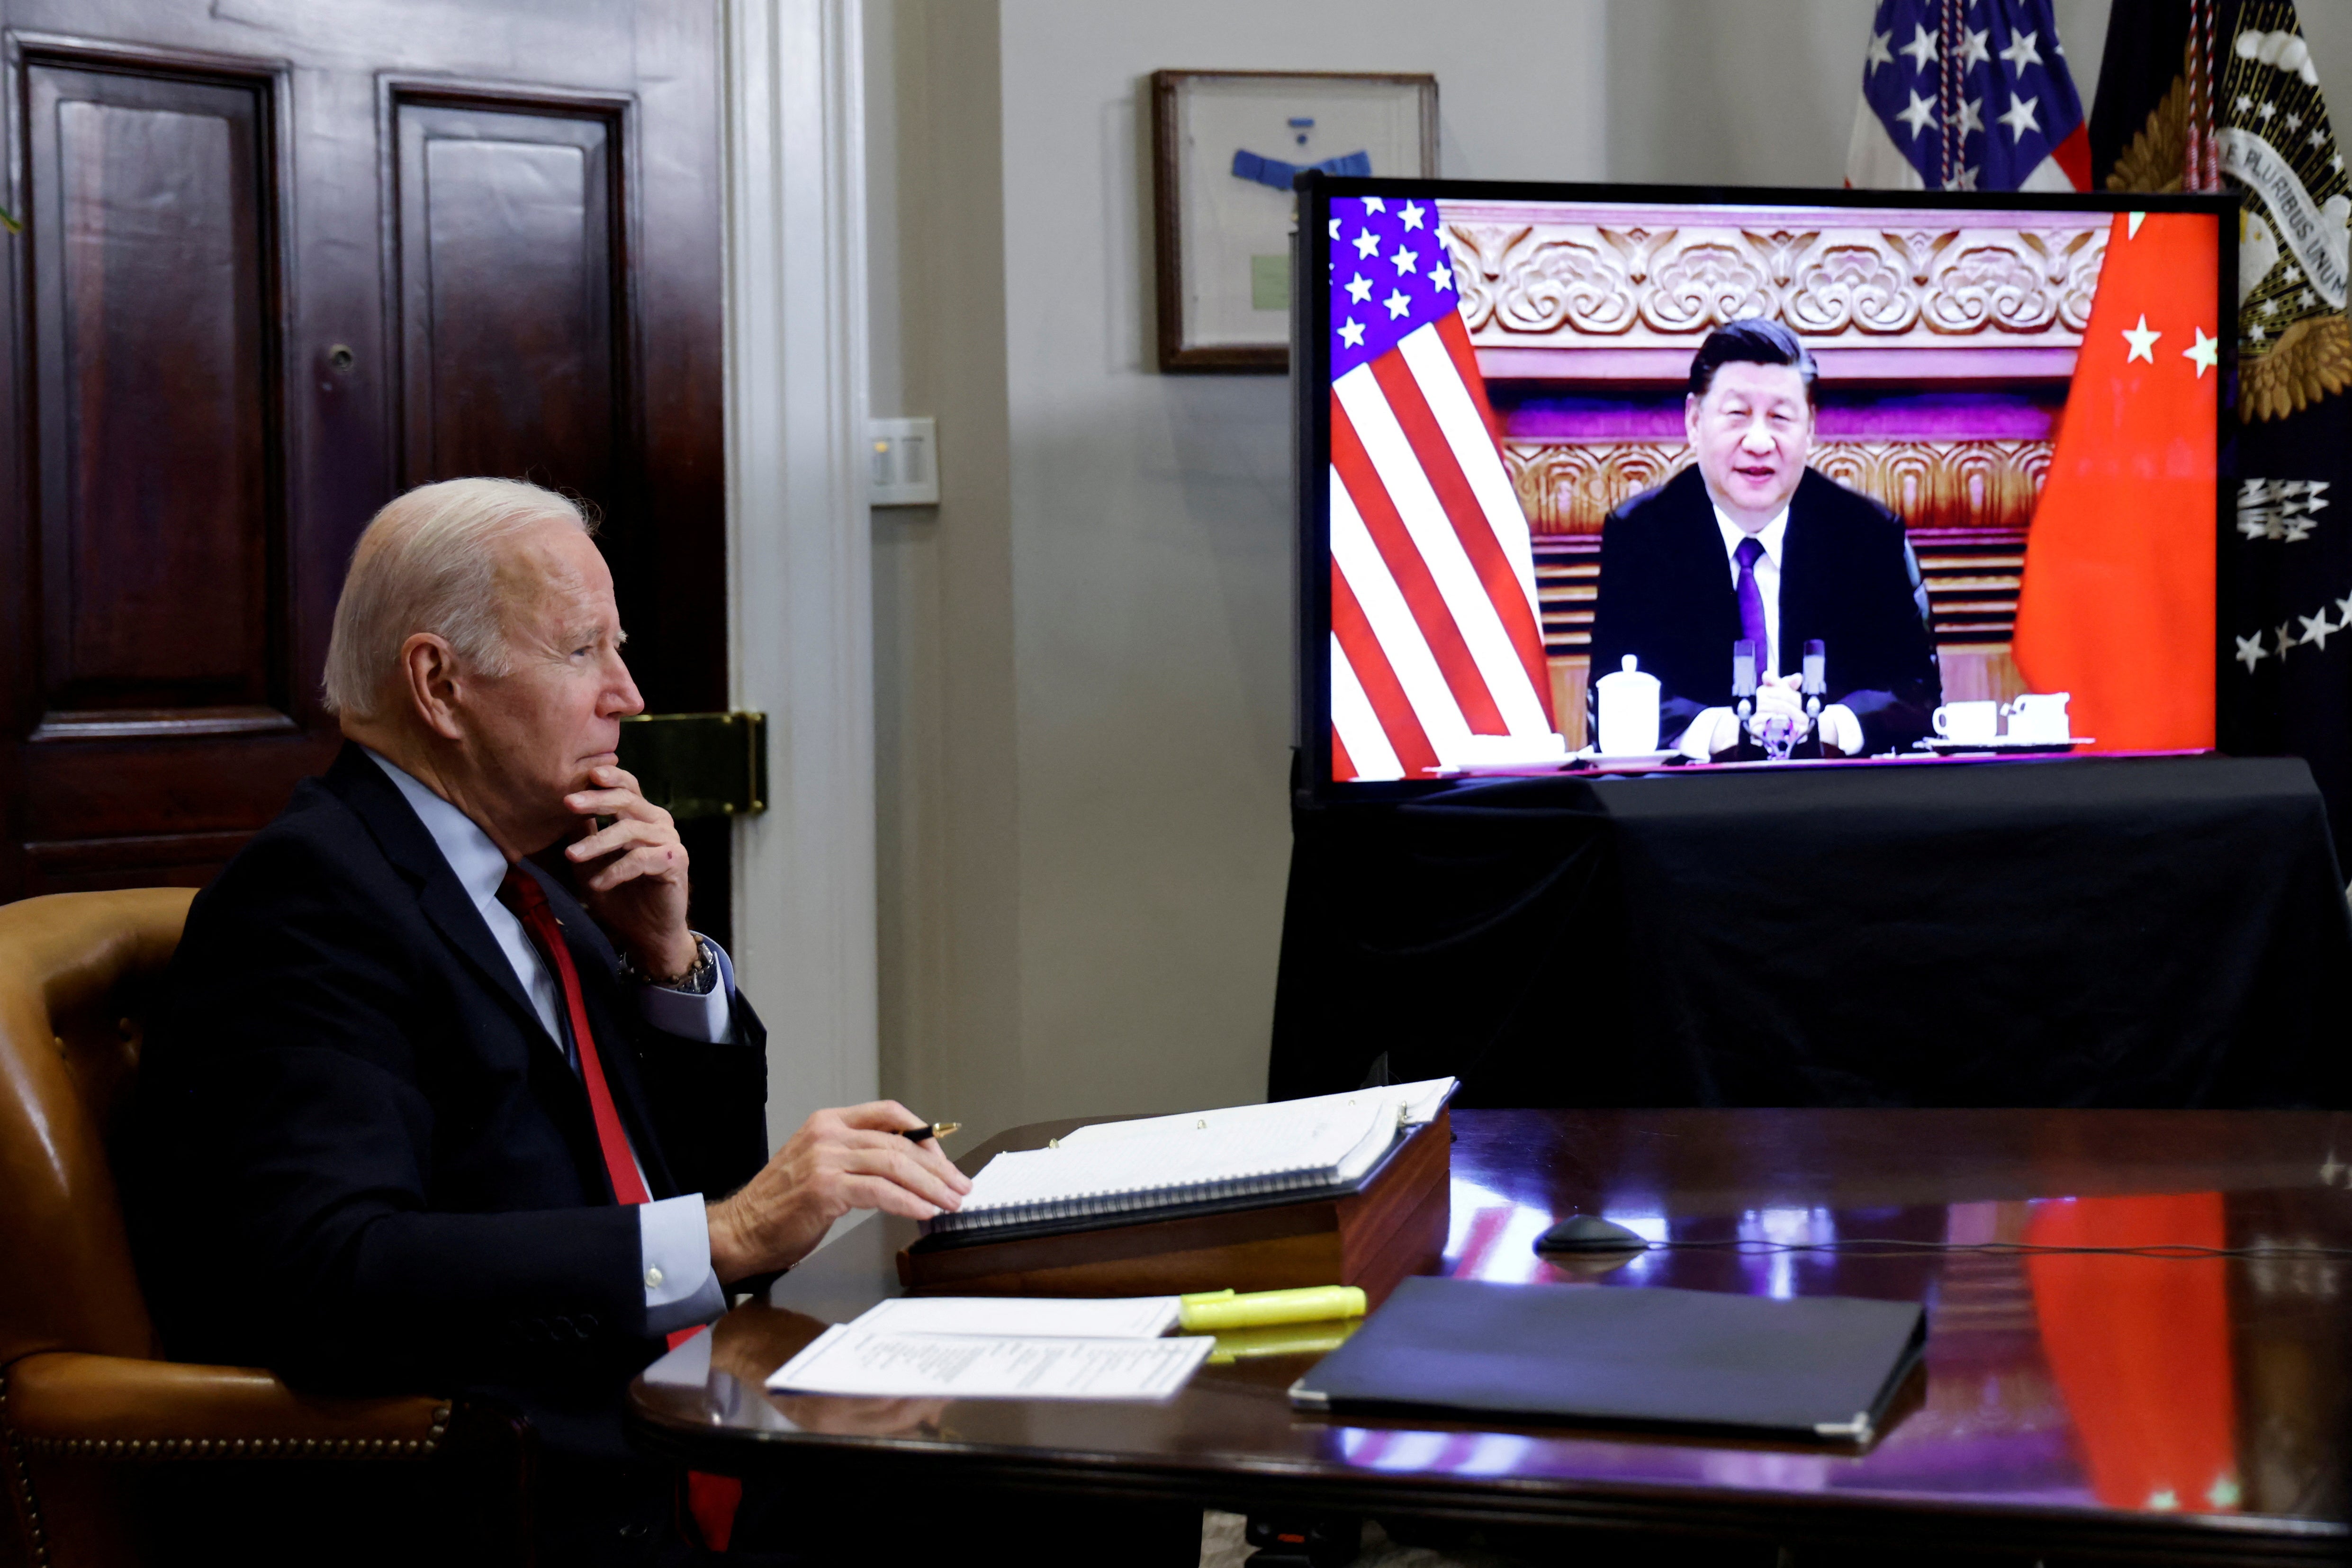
<point>1414,1103</point>
<point>1314,1143</point>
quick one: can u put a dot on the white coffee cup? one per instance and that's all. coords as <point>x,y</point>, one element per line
<point>1969,722</point>
<point>2039,717</point>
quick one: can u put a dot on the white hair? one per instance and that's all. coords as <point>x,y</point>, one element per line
<point>429,562</point>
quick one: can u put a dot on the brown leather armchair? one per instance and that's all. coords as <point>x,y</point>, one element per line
<point>110,1454</point>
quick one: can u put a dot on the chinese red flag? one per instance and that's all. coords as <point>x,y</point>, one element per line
<point>2117,602</point>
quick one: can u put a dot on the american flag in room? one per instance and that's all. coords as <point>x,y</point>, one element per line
<point>1968,95</point>
<point>1437,655</point>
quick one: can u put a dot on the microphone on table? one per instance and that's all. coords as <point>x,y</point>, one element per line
<point>1816,687</point>
<point>1743,695</point>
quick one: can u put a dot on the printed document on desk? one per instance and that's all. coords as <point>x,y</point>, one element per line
<point>882,1363</point>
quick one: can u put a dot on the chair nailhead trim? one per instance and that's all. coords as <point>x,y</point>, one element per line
<point>15,1451</point>
<point>226,1448</point>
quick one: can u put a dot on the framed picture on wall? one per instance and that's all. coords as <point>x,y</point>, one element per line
<point>1224,147</point>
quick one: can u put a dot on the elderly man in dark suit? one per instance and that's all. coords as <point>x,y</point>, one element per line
<point>1750,544</point>
<point>418,1113</point>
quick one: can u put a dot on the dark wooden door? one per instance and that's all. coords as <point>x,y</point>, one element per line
<point>282,259</point>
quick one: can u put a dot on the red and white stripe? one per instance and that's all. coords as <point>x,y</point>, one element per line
<point>1437,657</point>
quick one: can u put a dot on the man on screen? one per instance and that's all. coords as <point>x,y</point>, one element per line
<point>1748,543</point>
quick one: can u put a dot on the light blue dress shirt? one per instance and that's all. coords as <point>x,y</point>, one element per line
<point>673,1234</point>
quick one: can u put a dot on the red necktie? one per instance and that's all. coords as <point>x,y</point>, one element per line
<point>521,893</point>
<point>710,1499</point>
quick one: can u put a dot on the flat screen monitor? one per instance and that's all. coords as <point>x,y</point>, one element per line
<point>1605,478</point>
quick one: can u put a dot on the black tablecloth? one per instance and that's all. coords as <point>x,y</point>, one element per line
<point>2129,932</point>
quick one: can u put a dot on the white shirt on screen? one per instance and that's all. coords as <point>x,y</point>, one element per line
<point>673,1234</point>
<point>1713,729</point>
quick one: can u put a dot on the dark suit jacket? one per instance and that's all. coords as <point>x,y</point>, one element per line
<point>361,1159</point>
<point>1847,577</point>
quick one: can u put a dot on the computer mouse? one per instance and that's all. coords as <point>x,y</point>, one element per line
<point>1589,1233</point>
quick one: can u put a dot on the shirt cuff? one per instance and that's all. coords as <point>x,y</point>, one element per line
<point>1698,740</point>
<point>688,1017</point>
<point>674,1264</point>
<point>1842,729</point>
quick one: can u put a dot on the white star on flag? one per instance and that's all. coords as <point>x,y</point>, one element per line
<point>2022,53</point>
<point>2142,341</point>
<point>1375,204</point>
<point>2202,354</point>
<point>1921,113</point>
<point>1413,214</point>
<point>1973,53</point>
<point>1405,261</point>
<point>1397,303</point>
<point>1351,333</point>
<point>2316,630</point>
<point>1367,243</point>
<point>1971,116</point>
<point>1878,53</point>
<point>2020,116</point>
<point>1921,49</point>
<point>1441,273</point>
<point>2285,637</point>
<point>1360,288</point>
<point>2251,652</point>
<point>2343,606</point>
<point>1335,228</point>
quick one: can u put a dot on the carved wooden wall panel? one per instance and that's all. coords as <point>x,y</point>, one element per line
<point>1636,277</point>
<point>1570,486</point>
<point>158,513</point>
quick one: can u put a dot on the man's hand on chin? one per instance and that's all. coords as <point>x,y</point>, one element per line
<point>856,1158</point>
<point>632,873</point>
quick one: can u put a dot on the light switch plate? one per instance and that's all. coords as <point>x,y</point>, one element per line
<point>905,455</point>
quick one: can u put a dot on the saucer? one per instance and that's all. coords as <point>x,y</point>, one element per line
<point>2003,745</point>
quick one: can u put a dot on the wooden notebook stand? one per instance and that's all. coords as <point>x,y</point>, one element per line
<point>1393,1226</point>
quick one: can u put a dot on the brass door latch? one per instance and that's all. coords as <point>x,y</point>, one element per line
<point>699,764</point>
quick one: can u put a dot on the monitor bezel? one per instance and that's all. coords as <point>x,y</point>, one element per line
<point>1311,400</point>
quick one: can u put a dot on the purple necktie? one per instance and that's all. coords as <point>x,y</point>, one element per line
<point>1751,603</point>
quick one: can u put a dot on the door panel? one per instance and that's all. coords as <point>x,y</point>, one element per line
<point>510,271</point>
<point>284,258</point>
<point>159,500</point>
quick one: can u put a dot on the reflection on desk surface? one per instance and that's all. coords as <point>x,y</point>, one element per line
<point>2063,1384</point>
<point>2053,1379</point>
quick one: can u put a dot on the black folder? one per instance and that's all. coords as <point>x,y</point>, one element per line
<point>1821,1367</point>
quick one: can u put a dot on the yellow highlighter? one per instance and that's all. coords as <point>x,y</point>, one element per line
<point>1212,1311</point>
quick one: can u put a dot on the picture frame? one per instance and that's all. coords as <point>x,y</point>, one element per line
<point>1224,145</point>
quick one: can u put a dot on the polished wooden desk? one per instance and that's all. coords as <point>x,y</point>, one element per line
<point>2073,1405</point>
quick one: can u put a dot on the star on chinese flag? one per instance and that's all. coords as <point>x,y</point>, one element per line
<point>2116,606</point>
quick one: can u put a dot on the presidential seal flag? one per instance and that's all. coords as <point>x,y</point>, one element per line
<point>1437,656</point>
<point>2201,94</point>
<point>1966,95</point>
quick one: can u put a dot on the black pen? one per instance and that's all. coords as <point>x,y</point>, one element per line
<point>930,1130</point>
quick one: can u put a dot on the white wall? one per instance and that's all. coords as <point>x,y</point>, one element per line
<point>1084,807</point>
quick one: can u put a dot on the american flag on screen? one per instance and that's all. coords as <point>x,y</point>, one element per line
<point>1968,95</point>
<point>1437,656</point>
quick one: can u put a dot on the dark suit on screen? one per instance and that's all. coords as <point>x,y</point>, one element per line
<point>1847,577</point>
<point>364,1162</point>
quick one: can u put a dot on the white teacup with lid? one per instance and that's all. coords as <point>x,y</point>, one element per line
<point>1629,711</point>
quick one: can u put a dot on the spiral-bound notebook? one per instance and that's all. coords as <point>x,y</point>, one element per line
<point>1114,1169</point>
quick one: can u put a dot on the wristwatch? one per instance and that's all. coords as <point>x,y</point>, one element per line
<point>696,982</point>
